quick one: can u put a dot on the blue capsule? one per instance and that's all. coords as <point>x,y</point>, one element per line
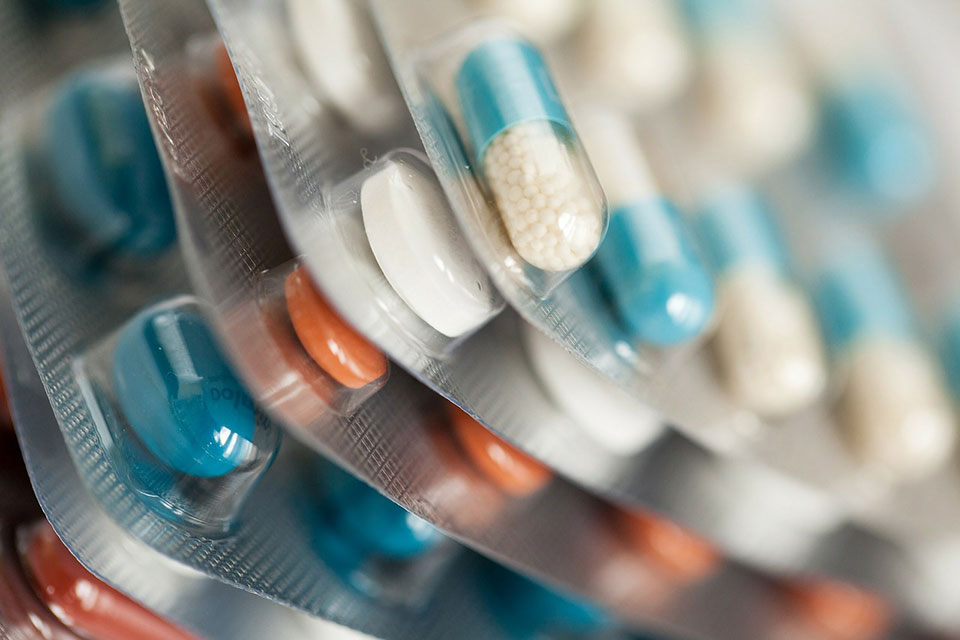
<point>104,170</point>
<point>527,609</point>
<point>705,16</point>
<point>653,275</point>
<point>950,349</point>
<point>373,523</point>
<point>877,142</point>
<point>858,296</point>
<point>736,229</point>
<point>179,395</point>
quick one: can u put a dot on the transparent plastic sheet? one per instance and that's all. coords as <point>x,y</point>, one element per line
<point>487,374</point>
<point>176,592</point>
<point>439,487</point>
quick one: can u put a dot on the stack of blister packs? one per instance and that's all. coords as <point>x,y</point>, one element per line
<point>479,319</point>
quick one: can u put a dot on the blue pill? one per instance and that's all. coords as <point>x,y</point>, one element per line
<point>105,171</point>
<point>950,349</point>
<point>705,16</point>
<point>736,229</point>
<point>528,609</point>
<point>652,273</point>
<point>179,395</point>
<point>374,523</point>
<point>877,142</point>
<point>858,295</point>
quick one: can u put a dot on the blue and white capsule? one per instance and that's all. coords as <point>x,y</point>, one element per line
<point>892,401</point>
<point>756,107</point>
<point>767,344</point>
<point>647,262</point>
<point>528,154</point>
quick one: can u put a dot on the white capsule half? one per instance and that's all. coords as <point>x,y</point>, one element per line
<point>895,411</point>
<point>420,248</point>
<point>613,418</point>
<point>635,52</point>
<point>341,55</point>
<point>543,21</point>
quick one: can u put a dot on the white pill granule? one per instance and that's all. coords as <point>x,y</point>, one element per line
<point>767,344</point>
<point>544,192</point>
<point>894,409</point>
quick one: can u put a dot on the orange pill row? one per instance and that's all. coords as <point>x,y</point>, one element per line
<point>840,611</point>
<point>230,89</point>
<point>335,346</point>
<point>679,553</point>
<point>510,469</point>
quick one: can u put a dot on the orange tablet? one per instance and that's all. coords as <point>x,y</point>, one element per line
<point>842,611</point>
<point>676,551</point>
<point>339,350</point>
<point>82,601</point>
<point>513,471</point>
<point>231,89</point>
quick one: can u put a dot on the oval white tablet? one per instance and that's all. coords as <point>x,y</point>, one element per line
<point>421,251</point>
<point>340,53</point>
<point>613,418</point>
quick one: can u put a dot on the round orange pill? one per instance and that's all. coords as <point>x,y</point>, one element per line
<point>231,89</point>
<point>842,611</point>
<point>513,471</point>
<point>339,350</point>
<point>676,551</point>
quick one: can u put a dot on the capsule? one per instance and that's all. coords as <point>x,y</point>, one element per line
<point>840,610</point>
<point>634,53</point>
<point>754,101</point>
<point>338,49</point>
<point>876,140</point>
<point>511,470</point>
<point>767,343</point>
<point>543,21</point>
<point>680,554</point>
<point>102,171</point>
<point>335,346</point>
<point>892,401</point>
<point>528,609</point>
<point>950,348</point>
<point>179,395</point>
<point>529,155</point>
<point>647,262</point>
<point>614,419</point>
<point>420,249</point>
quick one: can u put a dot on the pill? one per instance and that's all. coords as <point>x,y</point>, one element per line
<point>892,401</point>
<point>104,168</point>
<point>877,141</point>
<point>950,347</point>
<point>767,343</point>
<point>677,552</point>
<point>369,520</point>
<point>524,146</point>
<point>179,395</point>
<point>842,611</point>
<point>610,416</point>
<point>528,609</point>
<point>647,262</point>
<point>753,99</point>
<point>335,346</point>
<point>80,600</point>
<point>634,53</point>
<point>543,21</point>
<point>339,51</point>
<point>420,249</point>
<point>230,89</point>
<point>511,470</point>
